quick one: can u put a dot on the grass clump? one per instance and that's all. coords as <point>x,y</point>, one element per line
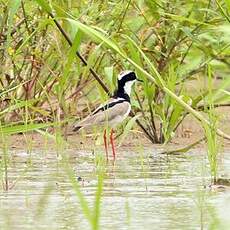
<point>168,55</point>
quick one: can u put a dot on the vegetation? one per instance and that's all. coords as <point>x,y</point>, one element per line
<point>60,59</point>
<point>168,43</point>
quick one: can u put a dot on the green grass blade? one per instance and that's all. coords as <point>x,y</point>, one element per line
<point>180,18</point>
<point>96,35</point>
<point>227,2</point>
<point>13,6</point>
<point>97,202</point>
<point>12,88</point>
<point>23,128</point>
<point>70,59</point>
<point>45,5</point>
<point>223,11</point>
<point>128,127</point>
<point>41,26</point>
<point>79,194</point>
<point>18,105</point>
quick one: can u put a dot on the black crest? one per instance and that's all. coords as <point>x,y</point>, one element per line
<point>120,92</point>
<point>130,76</point>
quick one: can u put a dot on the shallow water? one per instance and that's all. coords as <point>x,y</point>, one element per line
<point>161,192</point>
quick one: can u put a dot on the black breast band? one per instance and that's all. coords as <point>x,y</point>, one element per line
<point>111,104</point>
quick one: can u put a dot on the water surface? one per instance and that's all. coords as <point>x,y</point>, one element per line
<point>140,192</point>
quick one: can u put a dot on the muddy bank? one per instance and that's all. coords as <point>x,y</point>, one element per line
<point>188,132</point>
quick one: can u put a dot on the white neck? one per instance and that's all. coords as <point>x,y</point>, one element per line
<point>128,87</point>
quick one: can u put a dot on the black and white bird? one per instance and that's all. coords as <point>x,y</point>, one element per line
<point>114,111</point>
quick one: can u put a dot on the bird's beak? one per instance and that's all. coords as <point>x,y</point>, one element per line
<point>139,80</point>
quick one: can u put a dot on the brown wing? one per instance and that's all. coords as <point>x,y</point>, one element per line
<point>101,117</point>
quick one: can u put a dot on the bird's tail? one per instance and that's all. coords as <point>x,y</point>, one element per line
<point>81,124</point>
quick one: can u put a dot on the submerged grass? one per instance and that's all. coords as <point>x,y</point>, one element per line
<point>91,214</point>
<point>210,131</point>
<point>4,163</point>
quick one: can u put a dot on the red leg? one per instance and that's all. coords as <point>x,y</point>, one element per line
<point>106,146</point>
<point>112,143</point>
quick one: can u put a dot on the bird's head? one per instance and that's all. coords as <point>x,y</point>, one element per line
<point>125,81</point>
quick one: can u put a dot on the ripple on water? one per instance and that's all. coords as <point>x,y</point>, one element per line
<point>161,192</point>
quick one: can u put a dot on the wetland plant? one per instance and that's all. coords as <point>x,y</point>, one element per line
<point>91,214</point>
<point>170,45</point>
<point>166,59</point>
<point>4,161</point>
<point>210,130</point>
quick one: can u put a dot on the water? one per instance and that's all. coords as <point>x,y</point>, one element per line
<point>161,192</point>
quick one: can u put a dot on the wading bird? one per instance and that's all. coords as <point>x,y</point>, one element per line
<point>114,111</point>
